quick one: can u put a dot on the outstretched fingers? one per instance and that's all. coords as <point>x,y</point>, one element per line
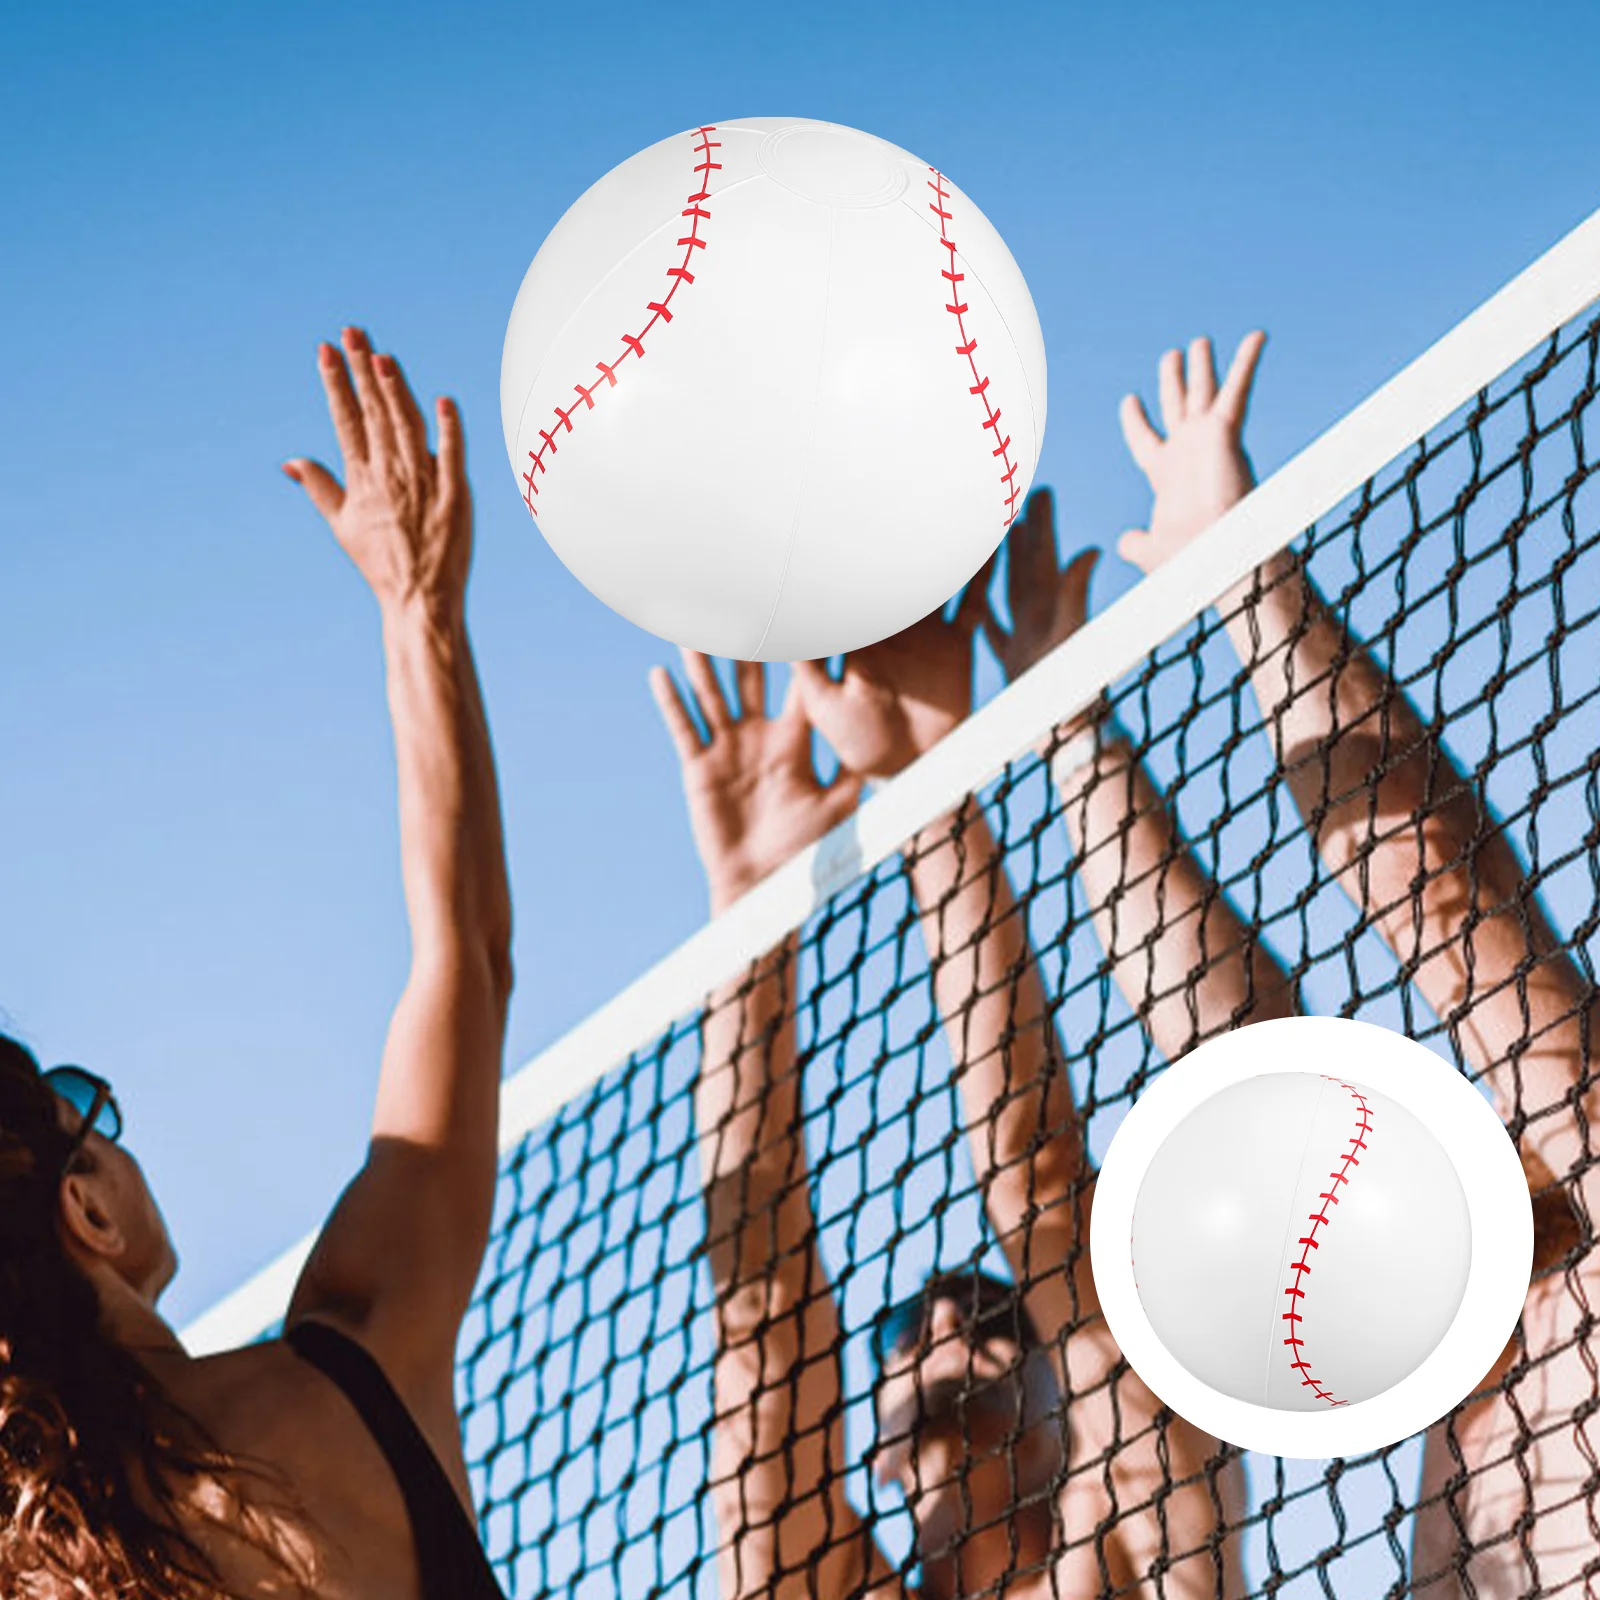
<point>1031,550</point>
<point>975,598</point>
<point>1234,400</point>
<point>451,477</point>
<point>680,726</point>
<point>1144,443</point>
<point>707,687</point>
<point>1202,379</point>
<point>810,681</point>
<point>750,678</point>
<point>322,489</point>
<point>1075,583</point>
<point>374,410</point>
<point>1173,405</point>
<point>405,417</point>
<point>343,406</point>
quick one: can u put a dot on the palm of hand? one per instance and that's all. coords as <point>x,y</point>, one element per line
<point>753,797</point>
<point>1200,473</point>
<point>1199,470</point>
<point>402,514</point>
<point>897,698</point>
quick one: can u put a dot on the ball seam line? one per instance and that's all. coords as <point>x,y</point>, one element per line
<point>980,381</point>
<point>633,344</point>
<point>1320,1218</point>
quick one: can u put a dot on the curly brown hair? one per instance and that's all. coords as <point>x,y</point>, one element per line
<point>82,1421</point>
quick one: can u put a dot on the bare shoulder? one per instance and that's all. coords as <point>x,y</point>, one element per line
<point>306,1478</point>
<point>263,1400</point>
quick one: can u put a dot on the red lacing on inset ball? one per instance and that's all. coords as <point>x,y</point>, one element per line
<point>979,386</point>
<point>1302,1269</point>
<point>632,343</point>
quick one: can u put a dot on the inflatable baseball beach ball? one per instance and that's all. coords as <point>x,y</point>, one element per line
<point>1312,1237</point>
<point>773,389</point>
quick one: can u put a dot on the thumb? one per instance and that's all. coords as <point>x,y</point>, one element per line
<point>320,485</point>
<point>1079,571</point>
<point>1132,548</point>
<point>999,640</point>
<point>842,796</point>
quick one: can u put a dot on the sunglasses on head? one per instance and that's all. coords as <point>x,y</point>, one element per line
<point>91,1097</point>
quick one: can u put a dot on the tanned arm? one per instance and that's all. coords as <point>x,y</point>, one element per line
<point>1408,835</point>
<point>397,1260</point>
<point>778,1448</point>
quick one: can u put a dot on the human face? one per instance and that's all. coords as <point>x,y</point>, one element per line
<point>963,1428</point>
<point>110,1211</point>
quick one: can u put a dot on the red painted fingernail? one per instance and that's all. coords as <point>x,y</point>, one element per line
<point>385,365</point>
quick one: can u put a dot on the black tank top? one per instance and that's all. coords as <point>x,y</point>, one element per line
<point>449,1553</point>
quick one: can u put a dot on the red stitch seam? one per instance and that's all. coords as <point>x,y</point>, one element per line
<point>1302,1268</point>
<point>980,383</point>
<point>632,343</point>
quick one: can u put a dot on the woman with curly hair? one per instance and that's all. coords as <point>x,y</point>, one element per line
<point>327,1462</point>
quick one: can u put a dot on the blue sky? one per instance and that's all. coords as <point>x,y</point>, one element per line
<point>198,858</point>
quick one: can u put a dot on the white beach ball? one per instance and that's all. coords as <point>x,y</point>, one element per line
<point>773,389</point>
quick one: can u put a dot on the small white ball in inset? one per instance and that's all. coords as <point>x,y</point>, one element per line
<point>1311,1237</point>
<point>773,389</point>
<point>1301,1242</point>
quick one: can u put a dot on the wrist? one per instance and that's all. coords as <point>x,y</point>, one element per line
<point>1073,752</point>
<point>425,612</point>
<point>1083,748</point>
<point>725,888</point>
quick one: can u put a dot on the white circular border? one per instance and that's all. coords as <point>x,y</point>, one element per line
<point>1498,1205</point>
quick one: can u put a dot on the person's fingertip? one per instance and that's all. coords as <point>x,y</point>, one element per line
<point>291,469</point>
<point>386,366</point>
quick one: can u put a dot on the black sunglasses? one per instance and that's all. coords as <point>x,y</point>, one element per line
<point>91,1097</point>
<point>989,1311</point>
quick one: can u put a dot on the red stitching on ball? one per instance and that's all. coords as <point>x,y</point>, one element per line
<point>980,381</point>
<point>1302,1268</point>
<point>633,343</point>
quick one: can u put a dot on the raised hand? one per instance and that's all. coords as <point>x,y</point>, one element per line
<point>402,515</point>
<point>754,796</point>
<point>1199,469</point>
<point>1048,602</point>
<point>899,697</point>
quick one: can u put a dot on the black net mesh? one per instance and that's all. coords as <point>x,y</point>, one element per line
<point>1462,768</point>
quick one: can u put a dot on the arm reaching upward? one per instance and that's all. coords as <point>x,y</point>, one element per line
<point>1185,961</point>
<point>778,1449</point>
<point>398,1258</point>
<point>893,702</point>
<point>1408,835</point>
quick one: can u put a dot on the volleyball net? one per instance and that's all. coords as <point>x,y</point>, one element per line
<point>852,1015</point>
